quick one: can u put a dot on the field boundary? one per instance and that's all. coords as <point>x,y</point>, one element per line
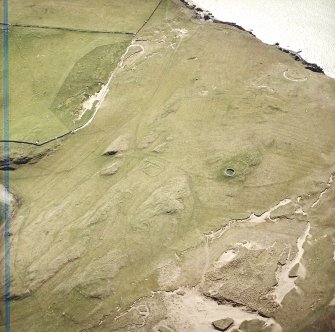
<point>148,19</point>
<point>37,143</point>
<point>67,29</point>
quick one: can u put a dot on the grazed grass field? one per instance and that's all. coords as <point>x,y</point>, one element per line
<point>101,252</point>
<point>52,72</point>
<point>103,15</point>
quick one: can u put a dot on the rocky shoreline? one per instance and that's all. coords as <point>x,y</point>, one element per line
<point>208,16</point>
<point>310,66</point>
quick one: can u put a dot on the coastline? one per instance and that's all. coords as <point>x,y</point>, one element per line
<point>205,15</point>
<point>201,192</point>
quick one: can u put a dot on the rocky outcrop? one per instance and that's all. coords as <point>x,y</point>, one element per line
<point>223,324</point>
<point>294,271</point>
<point>13,202</point>
<point>206,15</point>
<point>254,325</point>
<point>234,25</point>
<point>119,145</point>
<point>110,170</point>
<point>22,153</point>
<point>188,4</point>
<point>310,66</point>
<point>199,12</point>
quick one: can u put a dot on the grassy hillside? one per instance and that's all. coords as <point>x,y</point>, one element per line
<point>45,65</point>
<point>103,15</point>
<point>138,204</point>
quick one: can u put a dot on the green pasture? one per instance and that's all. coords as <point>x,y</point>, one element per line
<point>51,73</point>
<point>199,99</point>
<point>104,15</point>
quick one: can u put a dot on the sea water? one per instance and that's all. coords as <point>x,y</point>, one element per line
<point>298,25</point>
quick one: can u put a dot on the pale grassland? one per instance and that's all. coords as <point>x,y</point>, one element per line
<point>104,15</point>
<point>199,99</point>
<point>52,72</point>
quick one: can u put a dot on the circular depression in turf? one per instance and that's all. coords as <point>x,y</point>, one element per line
<point>229,172</point>
<point>294,75</point>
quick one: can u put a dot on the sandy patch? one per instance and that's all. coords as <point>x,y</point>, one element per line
<point>285,283</point>
<point>193,312</point>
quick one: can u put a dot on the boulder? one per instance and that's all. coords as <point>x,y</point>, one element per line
<point>223,324</point>
<point>118,145</point>
<point>110,170</point>
<point>294,271</point>
<point>254,325</point>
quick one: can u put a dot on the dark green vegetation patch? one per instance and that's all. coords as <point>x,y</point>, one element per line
<point>86,78</point>
<point>48,67</point>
